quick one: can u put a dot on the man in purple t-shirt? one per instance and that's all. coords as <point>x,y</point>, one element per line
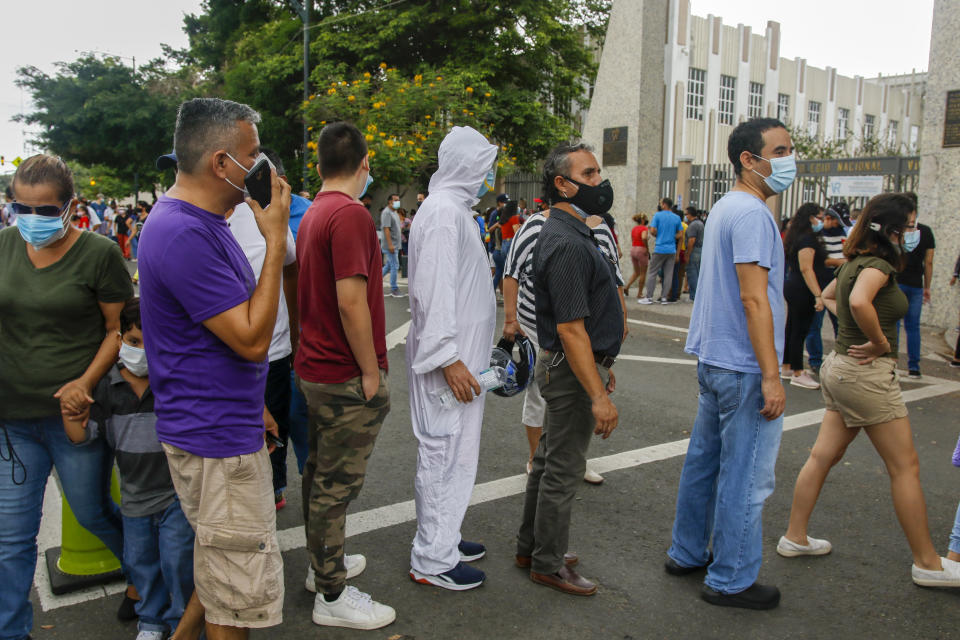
<point>208,325</point>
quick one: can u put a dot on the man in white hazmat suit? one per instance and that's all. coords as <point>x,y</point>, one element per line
<point>453,312</point>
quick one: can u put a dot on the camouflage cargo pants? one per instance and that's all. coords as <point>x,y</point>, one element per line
<point>342,430</point>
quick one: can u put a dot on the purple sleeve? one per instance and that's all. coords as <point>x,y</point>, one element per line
<point>198,273</point>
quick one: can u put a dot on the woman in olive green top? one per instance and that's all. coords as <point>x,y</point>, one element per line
<point>861,389</point>
<point>61,292</point>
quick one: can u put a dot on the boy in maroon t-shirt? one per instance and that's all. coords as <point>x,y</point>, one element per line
<point>341,368</point>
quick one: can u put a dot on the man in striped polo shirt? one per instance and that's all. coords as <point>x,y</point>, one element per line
<point>520,313</point>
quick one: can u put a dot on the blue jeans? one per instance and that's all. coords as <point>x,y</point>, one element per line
<point>693,272</point>
<point>500,261</point>
<point>29,449</point>
<point>158,556</point>
<point>815,342</point>
<point>727,476</point>
<point>955,534</point>
<point>134,245</point>
<point>298,422</point>
<point>912,323</point>
<point>391,263</point>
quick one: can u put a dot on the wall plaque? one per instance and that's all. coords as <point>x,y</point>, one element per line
<point>951,125</point>
<point>614,146</point>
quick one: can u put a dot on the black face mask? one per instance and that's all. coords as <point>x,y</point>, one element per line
<point>595,200</point>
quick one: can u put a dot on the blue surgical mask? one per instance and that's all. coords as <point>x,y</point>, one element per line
<point>817,226</point>
<point>783,172</point>
<point>395,204</point>
<point>42,231</point>
<point>366,186</point>
<point>488,181</point>
<point>911,239</point>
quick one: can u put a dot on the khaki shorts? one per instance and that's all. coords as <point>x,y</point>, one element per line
<point>865,394</point>
<point>534,406</point>
<point>237,568</point>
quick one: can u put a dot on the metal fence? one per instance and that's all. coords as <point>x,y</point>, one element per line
<point>708,182</point>
<point>523,184</point>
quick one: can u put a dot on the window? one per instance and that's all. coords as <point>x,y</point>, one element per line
<point>783,107</point>
<point>914,137</point>
<point>813,118</point>
<point>696,88</point>
<point>868,126</point>
<point>843,120</point>
<point>755,105</point>
<point>809,191</point>
<point>892,132</point>
<point>727,96</point>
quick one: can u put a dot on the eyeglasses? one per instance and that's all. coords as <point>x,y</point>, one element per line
<point>48,210</point>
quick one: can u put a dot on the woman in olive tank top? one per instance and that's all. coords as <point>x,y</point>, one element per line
<point>861,389</point>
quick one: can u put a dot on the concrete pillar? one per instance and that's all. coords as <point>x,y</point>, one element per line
<point>684,172</point>
<point>939,164</point>
<point>629,96</point>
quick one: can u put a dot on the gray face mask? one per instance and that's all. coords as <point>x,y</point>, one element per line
<point>246,193</point>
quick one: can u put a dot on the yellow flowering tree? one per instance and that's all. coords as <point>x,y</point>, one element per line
<point>404,118</point>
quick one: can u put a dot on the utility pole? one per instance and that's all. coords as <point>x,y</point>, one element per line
<point>302,8</point>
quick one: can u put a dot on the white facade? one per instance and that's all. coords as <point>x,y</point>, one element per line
<point>717,76</point>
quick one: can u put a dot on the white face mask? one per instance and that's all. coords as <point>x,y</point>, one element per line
<point>246,193</point>
<point>133,359</point>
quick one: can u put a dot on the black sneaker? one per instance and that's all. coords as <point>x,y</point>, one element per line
<point>674,568</point>
<point>127,610</point>
<point>915,373</point>
<point>955,364</point>
<point>756,596</point>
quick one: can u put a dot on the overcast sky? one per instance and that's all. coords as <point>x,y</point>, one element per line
<point>858,37</point>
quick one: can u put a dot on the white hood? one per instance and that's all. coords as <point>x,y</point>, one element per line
<point>465,156</point>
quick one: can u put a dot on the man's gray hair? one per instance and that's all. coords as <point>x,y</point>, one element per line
<point>558,164</point>
<point>205,125</point>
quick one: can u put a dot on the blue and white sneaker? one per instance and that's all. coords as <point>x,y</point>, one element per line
<point>460,578</point>
<point>470,551</point>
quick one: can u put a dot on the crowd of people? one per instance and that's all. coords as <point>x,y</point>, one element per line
<point>262,326</point>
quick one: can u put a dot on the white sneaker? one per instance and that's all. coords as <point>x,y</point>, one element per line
<point>805,381</point>
<point>592,477</point>
<point>644,301</point>
<point>949,577</point>
<point>355,565</point>
<point>814,547</point>
<point>353,610</point>
<point>151,635</point>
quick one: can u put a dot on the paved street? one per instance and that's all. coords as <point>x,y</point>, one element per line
<point>621,529</point>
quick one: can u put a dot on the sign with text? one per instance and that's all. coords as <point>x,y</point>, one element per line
<point>951,123</point>
<point>614,146</point>
<point>855,186</point>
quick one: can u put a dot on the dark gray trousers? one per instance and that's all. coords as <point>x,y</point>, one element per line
<point>558,464</point>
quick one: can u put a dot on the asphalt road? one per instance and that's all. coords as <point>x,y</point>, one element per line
<point>621,529</point>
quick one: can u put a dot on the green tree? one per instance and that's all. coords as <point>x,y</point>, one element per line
<point>100,113</point>
<point>405,119</point>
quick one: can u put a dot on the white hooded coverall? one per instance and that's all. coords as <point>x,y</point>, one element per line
<point>453,312</point>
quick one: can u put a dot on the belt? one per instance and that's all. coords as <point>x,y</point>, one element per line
<point>604,361</point>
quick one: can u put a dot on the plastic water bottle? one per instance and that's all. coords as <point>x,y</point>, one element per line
<point>488,379</point>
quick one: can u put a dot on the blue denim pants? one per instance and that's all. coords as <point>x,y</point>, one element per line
<point>693,272</point>
<point>29,449</point>
<point>912,323</point>
<point>814,341</point>
<point>391,264</point>
<point>158,557</point>
<point>298,422</point>
<point>727,476</point>
<point>955,534</point>
<point>500,262</point>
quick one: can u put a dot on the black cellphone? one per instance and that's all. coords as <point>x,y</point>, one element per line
<point>274,440</point>
<point>257,182</point>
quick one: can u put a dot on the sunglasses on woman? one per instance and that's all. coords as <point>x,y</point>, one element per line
<point>49,210</point>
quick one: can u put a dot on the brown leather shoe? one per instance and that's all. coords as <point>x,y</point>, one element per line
<point>569,559</point>
<point>566,580</point>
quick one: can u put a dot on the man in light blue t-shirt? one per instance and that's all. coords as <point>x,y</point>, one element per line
<point>736,331</point>
<point>667,228</point>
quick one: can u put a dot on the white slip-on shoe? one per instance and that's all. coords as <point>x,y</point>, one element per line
<point>592,477</point>
<point>804,381</point>
<point>353,610</point>
<point>814,547</point>
<point>949,577</point>
<point>150,634</point>
<point>644,301</point>
<point>355,565</point>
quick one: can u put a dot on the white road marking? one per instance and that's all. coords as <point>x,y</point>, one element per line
<point>403,512</point>
<point>657,325</point>
<point>398,335</point>
<point>690,361</point>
